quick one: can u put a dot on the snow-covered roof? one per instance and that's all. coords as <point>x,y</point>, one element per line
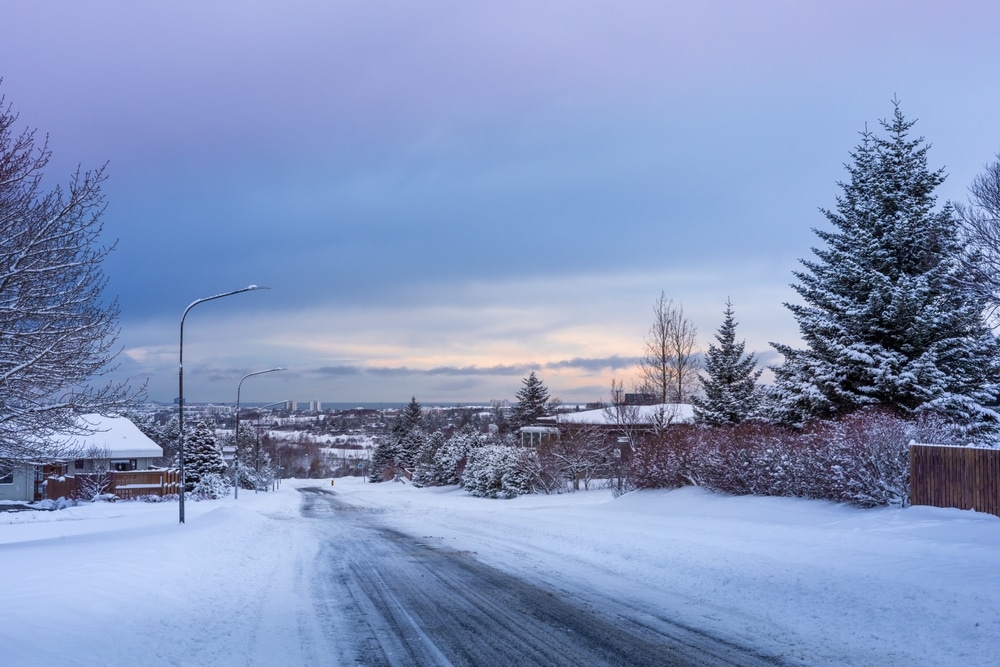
<point>118,436</point>
<point>673,413</point>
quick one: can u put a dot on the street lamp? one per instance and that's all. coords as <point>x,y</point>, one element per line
<point>236,432</point>
<point>180,388</point>
<point>256,455</point>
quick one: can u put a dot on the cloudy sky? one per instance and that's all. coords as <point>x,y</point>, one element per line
<point>444,195</point>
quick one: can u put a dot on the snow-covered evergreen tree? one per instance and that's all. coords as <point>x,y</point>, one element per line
<point>886,318</point>
<point>412,416</point>
<point>170,437</point>
<point>401,446</point>
<point>384,457</point>
<point>498,471</point>
<point>532,401</point>
<point>211,486</point>
<point>166,435</point>
<point>253,465</point>
<point>425,471</point>
<point>408,431</point>
<point>443,460</point>
<point>730,384</point>
<point>202,456</point>
<point>451,457</point>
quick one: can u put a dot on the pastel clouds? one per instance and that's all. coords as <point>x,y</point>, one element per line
<point>444,195</point>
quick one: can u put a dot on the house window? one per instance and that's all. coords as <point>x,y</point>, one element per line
<point>6,476</point>
<point>123,465</point>
<point>78,464</point>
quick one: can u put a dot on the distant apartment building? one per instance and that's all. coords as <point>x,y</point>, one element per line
<point>641,399</point>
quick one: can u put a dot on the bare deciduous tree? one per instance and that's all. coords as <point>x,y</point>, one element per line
<point>669,365</point>
<point>981,227</point>
<point>626,418</point>
<point>580,453</point>
<point>95,482</point>
<point>57,333</point>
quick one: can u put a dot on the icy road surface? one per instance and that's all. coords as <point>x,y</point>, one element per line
<point>406,601</point>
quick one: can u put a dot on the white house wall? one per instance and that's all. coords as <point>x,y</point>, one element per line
<point>23,487</point>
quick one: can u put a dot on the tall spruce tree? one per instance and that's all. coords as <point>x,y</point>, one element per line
<point>412,416</point>
<point>532,401</point>
<point>408,431</point>
<point>886,317</point>
<point>730,387</point>
<point>402,444</point>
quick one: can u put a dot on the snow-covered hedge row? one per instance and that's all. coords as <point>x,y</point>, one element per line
<point>862,460</point>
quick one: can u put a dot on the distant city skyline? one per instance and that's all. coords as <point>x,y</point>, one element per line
<point>343,405</point>
<point>444,197</point>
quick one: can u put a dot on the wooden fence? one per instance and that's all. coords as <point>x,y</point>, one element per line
<point>962,477</point>
<point>126,485</point>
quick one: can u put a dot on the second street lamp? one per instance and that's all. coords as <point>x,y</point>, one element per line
<point>236,431</point>
<point>256,449</point>
<point>180,393</point>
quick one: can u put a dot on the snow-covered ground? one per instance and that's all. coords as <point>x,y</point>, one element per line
<point>813,582</point>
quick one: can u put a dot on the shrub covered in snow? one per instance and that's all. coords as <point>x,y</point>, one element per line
<point>94,486</point>
<point>211,486</point>
<point>663,460</point>
<point>50,504</point>
<point>152,498</point>
<point>499,471</point>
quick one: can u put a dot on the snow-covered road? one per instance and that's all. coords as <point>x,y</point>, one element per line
<point>266,580</point>
<point>403,600</point>
<point>810,582</point>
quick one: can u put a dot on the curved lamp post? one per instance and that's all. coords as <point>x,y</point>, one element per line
<point>236,431</point>
<point>180,388</point>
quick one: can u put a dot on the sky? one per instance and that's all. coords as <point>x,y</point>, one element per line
<point>444,196</point>
<point>811,582</point>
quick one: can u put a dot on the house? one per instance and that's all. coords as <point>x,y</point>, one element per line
<point>115,444</point>
<point>619,420</point>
